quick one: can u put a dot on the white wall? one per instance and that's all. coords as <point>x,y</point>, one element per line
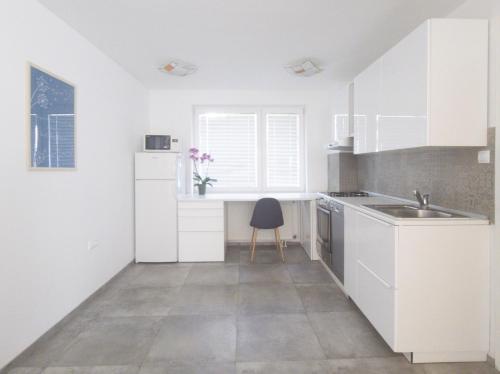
<point>47,217</point>
<point>171,111</point>
<point>490,9</point>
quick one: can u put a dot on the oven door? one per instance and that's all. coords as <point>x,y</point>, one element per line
<point>323,234</point>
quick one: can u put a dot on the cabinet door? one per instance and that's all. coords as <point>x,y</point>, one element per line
<point>377,246</point>
<point>350,252</point>
<point>155,221</point>
<point>402,122</point>
<point>201,246</point>
<point>366,109</point>
<point>376,299</point>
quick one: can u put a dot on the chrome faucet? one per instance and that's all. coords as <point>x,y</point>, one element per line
<point>423,200</point>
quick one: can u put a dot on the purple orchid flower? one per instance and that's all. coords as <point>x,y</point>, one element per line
<point>193,150</point>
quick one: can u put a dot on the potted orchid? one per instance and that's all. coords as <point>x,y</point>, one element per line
<point>199,180</point>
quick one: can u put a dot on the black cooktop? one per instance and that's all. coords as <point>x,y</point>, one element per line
<point>347,194</point>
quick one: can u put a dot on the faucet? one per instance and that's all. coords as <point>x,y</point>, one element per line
<point>423,200</point>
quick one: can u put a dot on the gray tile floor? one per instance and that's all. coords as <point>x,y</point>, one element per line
<point>232,317</point>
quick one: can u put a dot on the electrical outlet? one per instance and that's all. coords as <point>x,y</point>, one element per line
<point>483,157</point>
<point>92,244</point>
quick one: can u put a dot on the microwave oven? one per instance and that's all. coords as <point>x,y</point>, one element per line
<point>161,143</point>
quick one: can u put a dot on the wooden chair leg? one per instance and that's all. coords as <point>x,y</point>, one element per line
<point>279,247</point>
<point>254,239</point>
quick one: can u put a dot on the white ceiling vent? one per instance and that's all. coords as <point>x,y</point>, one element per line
<point>179,68</point>
<point>304,68</point>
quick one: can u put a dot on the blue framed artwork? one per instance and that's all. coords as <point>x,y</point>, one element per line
<point>51,121</point>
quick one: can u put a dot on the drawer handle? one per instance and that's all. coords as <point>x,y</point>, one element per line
<point>386,285</point>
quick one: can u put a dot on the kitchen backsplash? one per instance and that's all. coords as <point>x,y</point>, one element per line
<point>452,176</point>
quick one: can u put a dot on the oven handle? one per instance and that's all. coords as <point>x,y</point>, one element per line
<point>323,210</point>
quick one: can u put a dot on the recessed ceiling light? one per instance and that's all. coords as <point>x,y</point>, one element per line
<point>304,68</point>
<point>179,68</point>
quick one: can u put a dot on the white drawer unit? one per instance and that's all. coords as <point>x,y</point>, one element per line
<point>376,298</point>
<point>201,231</point>
<point>423,287</point>
<point>377,247</point>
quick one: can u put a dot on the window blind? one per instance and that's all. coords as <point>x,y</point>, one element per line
<point>231,139</point>
<point>282,150</point>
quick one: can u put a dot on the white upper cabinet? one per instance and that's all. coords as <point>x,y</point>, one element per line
<point>343,114</point>
<point>428,90</point>
<point>366,104</point>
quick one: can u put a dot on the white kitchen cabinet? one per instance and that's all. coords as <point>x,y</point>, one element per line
<point>423,287</point>
<point>201,231</point>
<point>366,97</point>
<point>343,114</point>
<point>429,90</point>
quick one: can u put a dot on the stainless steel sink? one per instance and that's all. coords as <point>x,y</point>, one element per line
<point>410,211</point>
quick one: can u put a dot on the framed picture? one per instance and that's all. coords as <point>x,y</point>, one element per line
<point>51,121</point>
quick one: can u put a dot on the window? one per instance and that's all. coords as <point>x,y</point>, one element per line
<point>255,149</point>
<point>231,138</point>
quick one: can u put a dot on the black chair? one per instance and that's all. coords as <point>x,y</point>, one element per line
<point>267,215</point>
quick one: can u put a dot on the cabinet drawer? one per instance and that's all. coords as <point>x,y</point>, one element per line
<point>200,212</point>
<point>201,205</point>
<point>201,223</point>
<point>376,299</point>
<point>377,246</point>
<point>201,246</point>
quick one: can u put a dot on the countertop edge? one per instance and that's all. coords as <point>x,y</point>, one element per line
<point>354,203</point>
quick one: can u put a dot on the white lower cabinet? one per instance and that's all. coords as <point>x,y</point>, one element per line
<point>201,231</point>
<point>376,298</point>
<point>423,287</point>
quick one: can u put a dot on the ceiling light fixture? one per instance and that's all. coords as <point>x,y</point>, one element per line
<point>179,68</point>
<point>304,68</point>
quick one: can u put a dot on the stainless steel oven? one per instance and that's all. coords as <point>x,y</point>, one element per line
<point>330,235</point>
<point>323,231</point>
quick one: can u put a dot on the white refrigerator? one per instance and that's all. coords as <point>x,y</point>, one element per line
<point>156,185</point>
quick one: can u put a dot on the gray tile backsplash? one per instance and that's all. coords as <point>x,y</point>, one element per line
<point>452,176</point>
<point>342,172</point>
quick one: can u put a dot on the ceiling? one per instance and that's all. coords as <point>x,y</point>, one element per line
<point>244,44</point>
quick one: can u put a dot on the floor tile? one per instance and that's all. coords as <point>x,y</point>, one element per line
<point>348,335</point>
<point>269,298</point>
<point>267,254</point>
<point>111,341</point>
<point>389,365</point>
<point>258,273</point>
<point>460,368</point>
<point>194,339</point>
<point>233,254</point>
<point>190,368</point>
<point>135,302</point>
<point>312,272</point>
<point>263,255</point>
<point>284,367</point>
<point>25,370</point>
<point>295,254</point>
<point>324,298</point>
<point>213,274</point>
<point>52,345</point>
<point>160,275</point>
<point>92,370</point>
<point>206,300</point>
<point>276,337</point>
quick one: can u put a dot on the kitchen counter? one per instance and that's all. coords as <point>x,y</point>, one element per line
<point>292,196</point>
<point>359,202</point>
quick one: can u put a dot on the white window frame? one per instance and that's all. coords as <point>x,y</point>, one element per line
<point>261,111</point>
